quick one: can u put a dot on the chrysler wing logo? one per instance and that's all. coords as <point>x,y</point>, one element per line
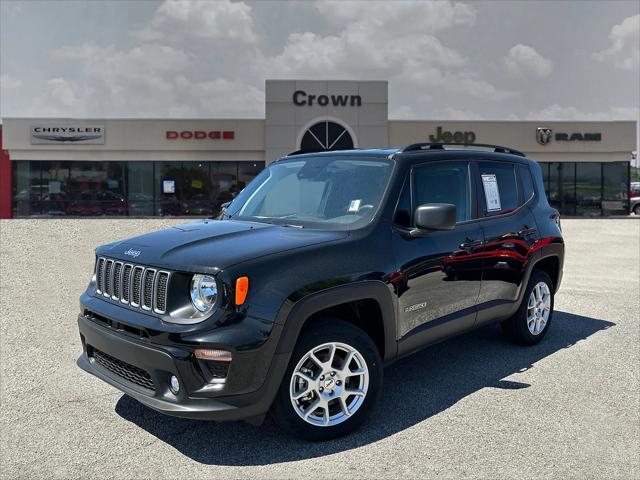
<point>133,253</point>
<point>76,138</point>
<point>67,133</point>
<point>543,135</point>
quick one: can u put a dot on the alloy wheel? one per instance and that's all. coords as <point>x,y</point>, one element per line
<point>329,384</point>
<point>538,308</point>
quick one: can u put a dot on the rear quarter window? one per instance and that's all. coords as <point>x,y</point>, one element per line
<point>526,181</point>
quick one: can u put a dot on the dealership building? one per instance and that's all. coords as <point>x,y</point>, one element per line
<point>176,167</point>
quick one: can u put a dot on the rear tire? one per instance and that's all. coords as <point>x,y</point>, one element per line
<point>636,210</point>
<point>531,322</point>
<point>332,382</point>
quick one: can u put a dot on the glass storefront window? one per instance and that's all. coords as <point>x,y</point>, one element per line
<point>197,193</point>
<point>588,189</point>
<point>615,188</point>
<point>562,187</point>
<point>545,176</point>
<point>26,188</point>
<point>96,188</point>
<point>67,188</point>
<point>140,189</point>
<point>168,185</point>
<point>224,177</point>
<point>54,198</point>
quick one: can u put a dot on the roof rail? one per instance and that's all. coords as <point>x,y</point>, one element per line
<point>414,147</point>
<point>300,152</point>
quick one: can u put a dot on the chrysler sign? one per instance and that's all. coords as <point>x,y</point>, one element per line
<point>65,134</point>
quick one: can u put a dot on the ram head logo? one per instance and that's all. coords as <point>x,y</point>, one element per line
<point>543,135</point>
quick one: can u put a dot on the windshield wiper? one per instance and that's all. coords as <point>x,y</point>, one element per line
<point>274,221</point>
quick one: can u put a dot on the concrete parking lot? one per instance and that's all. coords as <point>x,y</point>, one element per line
<point>474,406</point>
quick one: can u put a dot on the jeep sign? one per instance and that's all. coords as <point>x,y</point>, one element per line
<point>448,137</point>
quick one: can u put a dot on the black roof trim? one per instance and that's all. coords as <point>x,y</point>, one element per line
<point>416,147</point>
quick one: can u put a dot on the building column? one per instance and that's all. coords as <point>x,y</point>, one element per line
<point>5,182</point>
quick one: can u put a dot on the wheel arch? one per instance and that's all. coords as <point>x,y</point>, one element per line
<point>551,265</point>
<point>333,300</point>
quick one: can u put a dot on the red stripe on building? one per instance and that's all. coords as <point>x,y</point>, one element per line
<point>5,182</point>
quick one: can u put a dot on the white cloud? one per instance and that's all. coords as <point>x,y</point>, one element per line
<point>406,112</point>
<point>624,51</point>
<point>177,65</point>
<point>8,82</point>
<point>406,16</point>
<point>148,80</point>
<point>62,96</point>
<point>200,19</point>
<point>148,57</point>
<point>227,98</point>
<point>525,61</point>
<point>390,40</point>
<point>139,80</point>
<point>559,112</point>
<point>403,112</point>
<point>457,114</point>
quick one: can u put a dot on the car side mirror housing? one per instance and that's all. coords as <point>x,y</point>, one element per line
<point>434,216</point>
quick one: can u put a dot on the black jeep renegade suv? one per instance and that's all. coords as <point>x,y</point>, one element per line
<point>326,267</point>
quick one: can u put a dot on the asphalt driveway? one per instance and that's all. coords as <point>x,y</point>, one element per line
<point>475,406</point>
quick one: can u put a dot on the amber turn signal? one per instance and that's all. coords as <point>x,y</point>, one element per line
<point>212,354</point>
<point>242,288</point>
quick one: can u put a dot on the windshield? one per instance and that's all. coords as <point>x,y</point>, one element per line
<point>318,192</point>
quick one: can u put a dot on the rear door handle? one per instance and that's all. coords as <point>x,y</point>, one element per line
<point>526,231</point>
<point>470,242</point>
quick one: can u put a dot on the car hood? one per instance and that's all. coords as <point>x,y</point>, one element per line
<point>209,245</point>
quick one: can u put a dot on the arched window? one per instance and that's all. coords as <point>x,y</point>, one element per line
<point>326,135</point>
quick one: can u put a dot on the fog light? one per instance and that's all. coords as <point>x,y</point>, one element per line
<point>174,385</point>
<point>213,354</point>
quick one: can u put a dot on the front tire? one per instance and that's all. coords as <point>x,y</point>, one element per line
<point>332,382</point>
<point>531,322</point>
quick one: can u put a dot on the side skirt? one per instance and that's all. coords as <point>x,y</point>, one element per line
<point>455,324</point>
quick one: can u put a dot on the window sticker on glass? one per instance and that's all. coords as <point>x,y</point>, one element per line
<point>354,206</point>
<point>491,192</point>
<point>168,186</point>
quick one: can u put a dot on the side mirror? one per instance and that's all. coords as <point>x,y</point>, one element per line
<point>223,211</point>
<point>434,216</point>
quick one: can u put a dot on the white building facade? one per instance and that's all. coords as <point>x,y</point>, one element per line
<point>159,167</point>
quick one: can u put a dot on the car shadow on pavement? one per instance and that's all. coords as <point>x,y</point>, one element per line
<point>415,389</point>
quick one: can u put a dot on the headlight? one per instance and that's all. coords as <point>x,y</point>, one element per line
<point>204,292</point>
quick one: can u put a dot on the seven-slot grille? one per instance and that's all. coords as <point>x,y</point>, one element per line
<point>135,285</point>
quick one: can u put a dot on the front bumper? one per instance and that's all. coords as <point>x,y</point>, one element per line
<point>134,358</point>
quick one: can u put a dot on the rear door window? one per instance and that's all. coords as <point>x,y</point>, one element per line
<point>499,187</point>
